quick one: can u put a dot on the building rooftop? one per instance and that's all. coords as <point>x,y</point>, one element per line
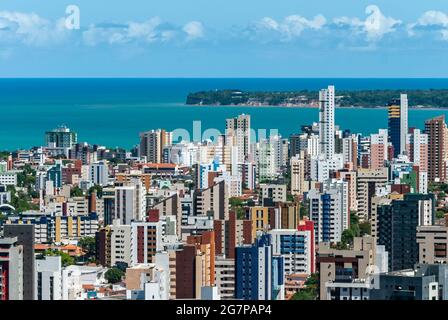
<point>403,273</point>
<point>10,240</point>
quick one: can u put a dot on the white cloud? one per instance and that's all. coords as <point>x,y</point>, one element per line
<point>431,20</point>
<point>194,30</point>
<point>30,29</point>
<point>145,32</point>
<point>342,32</point>
<point>291,27</point>
<point>375,26</point>
<point>151,31</point>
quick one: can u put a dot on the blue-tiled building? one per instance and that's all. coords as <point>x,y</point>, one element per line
<point>55,174</point>
<point>258,274</point>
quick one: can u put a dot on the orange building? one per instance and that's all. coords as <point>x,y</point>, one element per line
<point>204,260</point>
<point>126,178</point>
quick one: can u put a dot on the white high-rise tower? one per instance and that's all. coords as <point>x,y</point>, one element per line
<point>403,122</point>
<point>326,122</point>
<point>238,134</point>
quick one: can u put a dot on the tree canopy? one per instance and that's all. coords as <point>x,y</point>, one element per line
<point>113,275</point>
<point>76,192</point>
<point>88,244</point>
<point>66,259</point>
<point>356,229</point>
<point>309,292</point>
<point>344,98</point>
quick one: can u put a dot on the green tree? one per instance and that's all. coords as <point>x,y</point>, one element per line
<point>98,189</point>
<point>4,155</point>
<point>115,161</point>
<point>304,210</point>
<point>66,259</point>
<point>113,275</point>
<point>356,229</point>
<point>240,213</point>
<point>190,185</point>
<point>237,205</point>
<point>309,292</point>
<point>235,202</point>
<point>88,244</point>
<point>27,177</point>
<point>349,98</point>
<point>76,192</point>
<point>21,202</point>
<point>287,178</point>
<point>32,193</point>
<point>303,294</point>
<point>347,237</point>
<point>364,229</point>
<point>440,214</point>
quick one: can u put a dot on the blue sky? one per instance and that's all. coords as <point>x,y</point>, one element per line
<point>225,38</point>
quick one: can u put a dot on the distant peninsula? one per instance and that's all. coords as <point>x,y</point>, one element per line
<point>431,98</point>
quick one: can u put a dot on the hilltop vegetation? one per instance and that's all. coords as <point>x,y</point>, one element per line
<point>361,98</point>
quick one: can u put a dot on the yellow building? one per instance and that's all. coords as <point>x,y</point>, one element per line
<point>260,219</point>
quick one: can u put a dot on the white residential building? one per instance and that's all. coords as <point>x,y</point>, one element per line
<point>146,241</point>
<point>120,243</point>
<point>296,247</point>
<point>99,173</point>
<point>326,211</point>
<point>8,178</point>
<point>130,202</point>
<point>48,278</point>
<point>238,134</point>
<point>326,122</point>
<point>321,167</point>
<point>265,158</point>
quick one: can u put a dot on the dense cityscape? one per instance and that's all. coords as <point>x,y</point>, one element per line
<point>324,214</point>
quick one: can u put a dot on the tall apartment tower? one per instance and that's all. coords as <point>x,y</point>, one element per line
<point>213,200</point>
<point>238,134</point>
<point>397,224</point>
<point>11,269</point>
<point>417,145</point>
<point>130,202</point>
<point>230,233</point>
<point>328,211</point>
<point>146,241</point>
<point>417,150</point>
<point>61,137</point>
<point>326,122</point>
<point>25,238</point>
<point>398,123</point>
<point>435,128</point>
<point>152,144</point>
<point>378,149</point>
<point>49,278</point>
<point>259,275</point>
<point>367,182</point>
<point>299,185</point>
<point>205,259</point>
<point>296,246</point>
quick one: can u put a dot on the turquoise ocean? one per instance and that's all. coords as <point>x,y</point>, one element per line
<point>112,112</point>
